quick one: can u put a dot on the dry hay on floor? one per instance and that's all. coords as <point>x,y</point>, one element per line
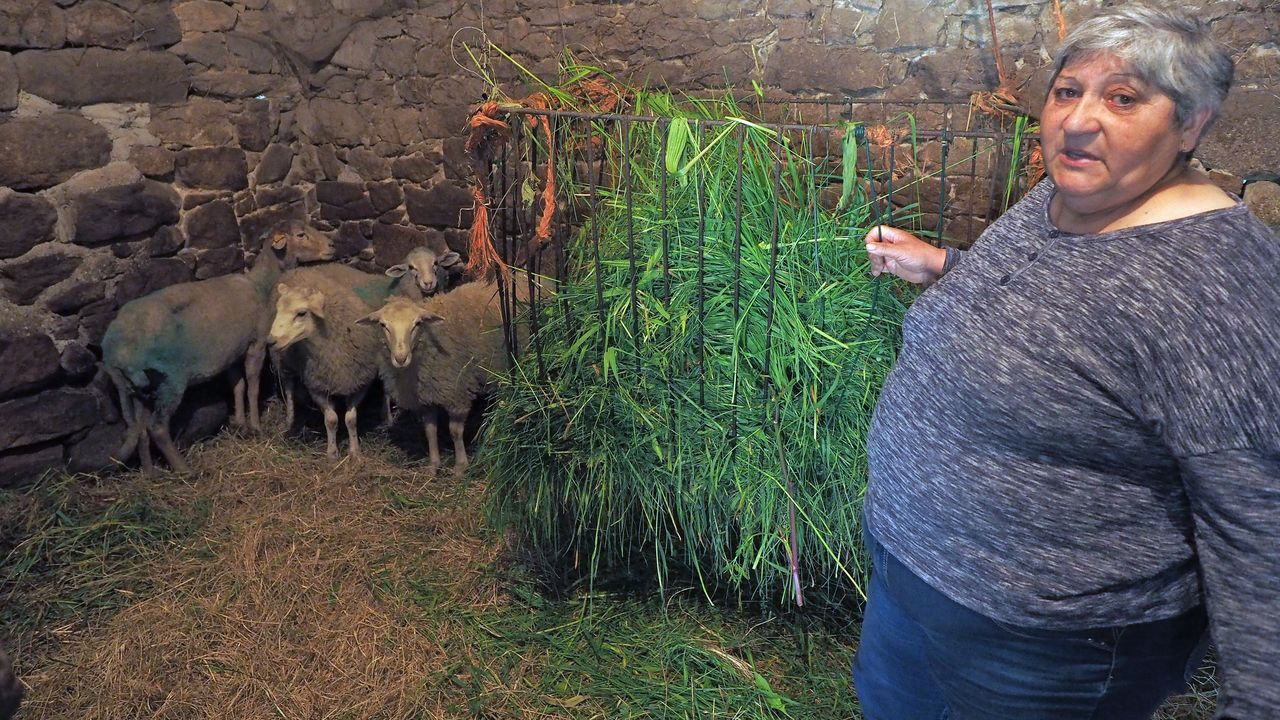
<point>284,606</point>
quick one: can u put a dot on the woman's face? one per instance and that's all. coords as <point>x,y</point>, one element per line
<point>1107,136</point>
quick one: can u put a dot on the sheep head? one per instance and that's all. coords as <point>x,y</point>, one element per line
<point>301,243</point>
<point>426,266</point>
<point>297,311</point>
<point>401,320</point>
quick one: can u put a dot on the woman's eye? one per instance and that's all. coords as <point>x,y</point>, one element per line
<point>1123,100</point>
<point>1064,93</point>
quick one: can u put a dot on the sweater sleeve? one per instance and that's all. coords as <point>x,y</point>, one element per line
<point>1235,500</point>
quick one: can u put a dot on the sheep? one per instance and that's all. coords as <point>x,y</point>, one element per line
<point>315,335</point>
<point>443,351</point>
<point>161,343</point>
<point>428,270</point>
<point>422,273</point>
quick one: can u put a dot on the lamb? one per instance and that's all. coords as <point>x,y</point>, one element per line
<point>317,340</point>
<point>160,344</point>
<point>443,352</point>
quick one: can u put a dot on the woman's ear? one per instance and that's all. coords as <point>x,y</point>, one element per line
<point>1193,128</point>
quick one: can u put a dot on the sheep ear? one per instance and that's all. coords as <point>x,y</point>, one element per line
<point>370,319</point>
<point>279,241</point>
<point>431,317</point>
<point>397,270</point>
<point>316,304</point>
<point>281,287</point>
<point>449,259</point>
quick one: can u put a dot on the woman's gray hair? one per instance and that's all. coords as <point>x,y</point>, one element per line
<point>1173,52</point>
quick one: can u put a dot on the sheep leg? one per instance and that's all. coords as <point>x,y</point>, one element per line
<point>142,416</point>
<point>130,442</point>
<point>460,460</point>
<point>288,403</point>
<point>237,394</point>
<point>159,428</point>
<point>428,416</point>
<point>353,402</point>
<point>253,361</point>
<point>330,423</point>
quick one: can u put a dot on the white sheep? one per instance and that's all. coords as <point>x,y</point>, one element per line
<point>428,271</point>
<point>318,341</point>
<point>443,352</point>
<point>161,343</point>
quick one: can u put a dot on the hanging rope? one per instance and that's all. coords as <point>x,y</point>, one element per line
<point>485,128</point>
<point>1062,21</point>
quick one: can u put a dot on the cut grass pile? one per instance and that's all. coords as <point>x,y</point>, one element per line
<point>271,584</point>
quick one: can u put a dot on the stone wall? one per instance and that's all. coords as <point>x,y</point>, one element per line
<point>148,142</point>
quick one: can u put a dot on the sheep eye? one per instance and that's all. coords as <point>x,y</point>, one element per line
<point>301,314</point>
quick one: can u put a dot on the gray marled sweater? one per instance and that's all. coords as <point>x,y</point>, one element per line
<point>1084,431</point>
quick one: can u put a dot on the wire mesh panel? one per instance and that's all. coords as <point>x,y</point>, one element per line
<point>693,403</point>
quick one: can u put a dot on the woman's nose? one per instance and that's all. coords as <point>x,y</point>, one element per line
<point>1083,117</point>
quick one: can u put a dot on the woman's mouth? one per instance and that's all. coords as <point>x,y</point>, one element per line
<point>1078,157</point>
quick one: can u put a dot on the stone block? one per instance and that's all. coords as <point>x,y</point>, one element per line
<point>811,67</point>
<point>159,26</point>
<point>266,197</point>
<point>77,361</point>
<point>332,121</point>
<point>94,319</point>
<point>95,449</point>
<point>350,240</point>
<point>32,25</point>
<point>42,152</point>
<point>152,160</point>
<point>199,122</point>
<point>8,83</point>
<point>99,23</point>
<point>50,415</point>
<point>121,211</point>
<point>25,221</point>
<point>165,242</point>
<point>220,261</point>
<point>274,164</point>
<point>343,201</point>
<point>212,225</point>
<point>1263,198</point>
<point>369,165</point>
<point>150,275</point>
<point>199,16</point>
<point>96,75</point>
<point>392,242</point>
<point>385,196</point>
<point>213,168</point>
<point>254,126</point>
<point>19,467</point>
<point>25,279</point>
<point>30,361</point>
<point>232,84</point>
<point>417,167</point>
<point>69,299</point>
<point>443,205</point>
<point>1237,143</point>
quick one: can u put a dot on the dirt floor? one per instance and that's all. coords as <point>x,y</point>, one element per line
<point>273,583</point>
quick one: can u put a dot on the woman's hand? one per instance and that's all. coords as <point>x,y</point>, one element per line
<point>905,255</point>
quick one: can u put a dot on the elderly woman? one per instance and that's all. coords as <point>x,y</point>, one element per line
<point>1075,464</point>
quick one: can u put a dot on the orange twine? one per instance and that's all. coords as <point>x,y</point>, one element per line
<point>482,256</point>
<point>1062,21</point>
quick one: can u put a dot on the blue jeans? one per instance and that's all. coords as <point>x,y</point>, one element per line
<point>923,656</point>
